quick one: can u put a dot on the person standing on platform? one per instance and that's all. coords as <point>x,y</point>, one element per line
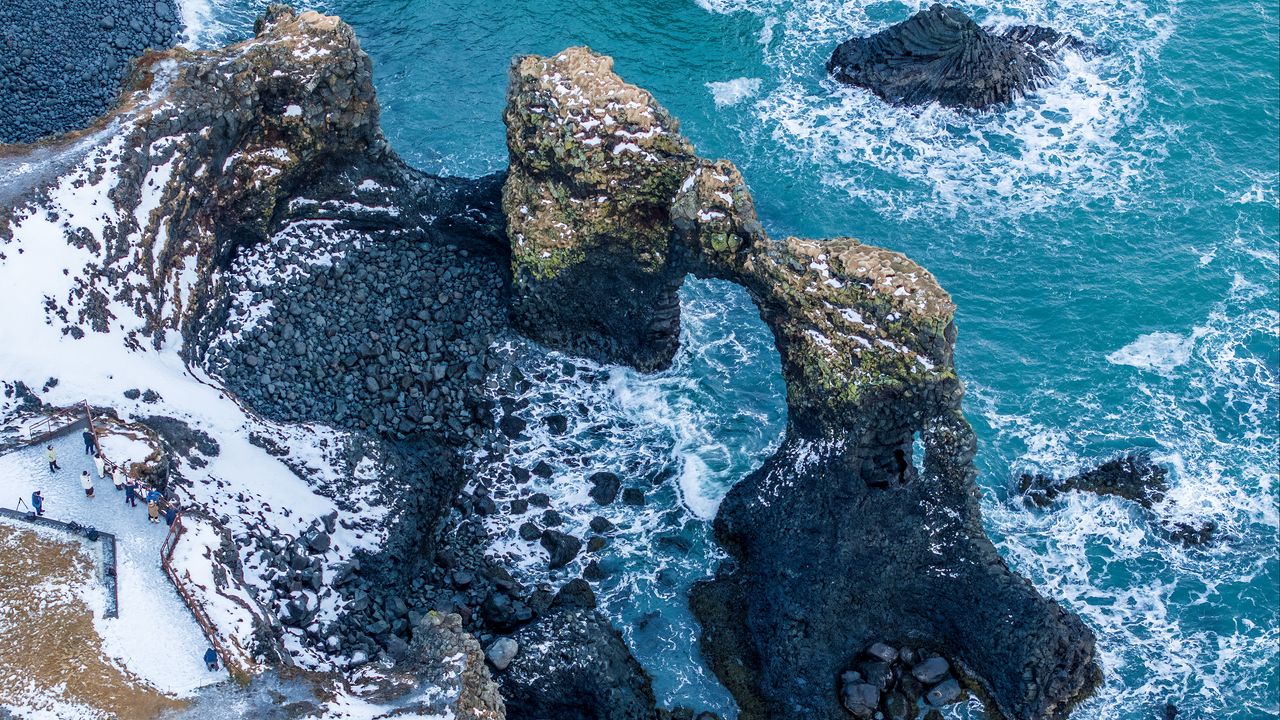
<point>86,482</point>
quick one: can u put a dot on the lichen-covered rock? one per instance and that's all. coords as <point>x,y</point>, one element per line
<point>843,536</point>
<point>594,165</point>
<point>941,55</point>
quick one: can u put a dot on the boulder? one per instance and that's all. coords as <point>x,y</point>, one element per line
<point>932,670</point>
<point>562,547</point>
<point>604,487</point>
<point>941,55</point>
<point>861,699</point>
<point>501,652</point>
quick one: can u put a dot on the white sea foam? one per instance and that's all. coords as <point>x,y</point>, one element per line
<point>1212,424</point>
<point>1159,351</point>
<point>1080,138</point>
<point>732,92</point>
<point>210,24</point>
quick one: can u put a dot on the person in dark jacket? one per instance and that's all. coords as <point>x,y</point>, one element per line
<point>131,494</point>
<point>170,514</point>
<point>37,502</point>
<point>211,659</point>
<point>90,443</point>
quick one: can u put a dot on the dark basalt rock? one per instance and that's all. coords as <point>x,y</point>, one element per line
<point>604,487</point>
<point>941,55</point>
<point>842,536</point>
<point>573,665</point>
<point>561,547</point>
<point>1133,477</point>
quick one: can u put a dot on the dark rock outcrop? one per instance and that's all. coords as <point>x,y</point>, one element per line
<point>573,665</point>
<point>1134,477</point>
<point>941,55</point>
<point>842,537</point>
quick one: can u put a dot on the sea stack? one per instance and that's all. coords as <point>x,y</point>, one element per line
<point>842,539</point>
<point>941,55</point>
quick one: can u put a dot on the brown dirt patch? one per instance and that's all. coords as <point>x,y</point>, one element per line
<point>50,653</point>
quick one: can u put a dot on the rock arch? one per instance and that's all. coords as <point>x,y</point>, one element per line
<point>608,208</point>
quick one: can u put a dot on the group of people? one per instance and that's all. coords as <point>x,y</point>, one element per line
<point>134,490</point>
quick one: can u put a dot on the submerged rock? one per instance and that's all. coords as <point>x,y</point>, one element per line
<point>866,339</point>
<point>941,55</point>
<point>1134,477</point>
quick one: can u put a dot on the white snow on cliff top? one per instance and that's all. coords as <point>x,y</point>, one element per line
<point>242,481</point>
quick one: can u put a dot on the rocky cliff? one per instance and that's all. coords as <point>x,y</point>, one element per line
<point>844,537</point>
<point>257,220</point>
<point>242,207</point>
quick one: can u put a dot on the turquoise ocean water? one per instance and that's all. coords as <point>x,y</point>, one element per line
<point>1111,244</point>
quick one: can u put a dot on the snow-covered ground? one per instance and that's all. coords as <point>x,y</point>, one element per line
<point>49,255</point>
<point>155,636</point>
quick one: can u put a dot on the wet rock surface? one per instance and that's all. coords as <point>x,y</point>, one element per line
<point>62,65</point>
<point>941,55</point>
<point>1133,476</point>
<point>866,342</point>
<point>573,665</point>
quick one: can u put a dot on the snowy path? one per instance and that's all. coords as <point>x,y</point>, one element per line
<point>155,636</point>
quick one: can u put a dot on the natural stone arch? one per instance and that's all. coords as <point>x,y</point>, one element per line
<point>608,207</point>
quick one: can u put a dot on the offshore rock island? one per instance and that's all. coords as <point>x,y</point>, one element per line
<point>342,306</point>
<point>941,55</point>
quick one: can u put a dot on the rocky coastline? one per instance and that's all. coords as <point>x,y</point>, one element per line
<point>320,280</point>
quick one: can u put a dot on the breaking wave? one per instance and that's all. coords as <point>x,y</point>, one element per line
<point>1083,137</point>
<point>684,436</point>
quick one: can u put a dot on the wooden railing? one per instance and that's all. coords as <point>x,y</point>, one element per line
<point>197,610</point>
